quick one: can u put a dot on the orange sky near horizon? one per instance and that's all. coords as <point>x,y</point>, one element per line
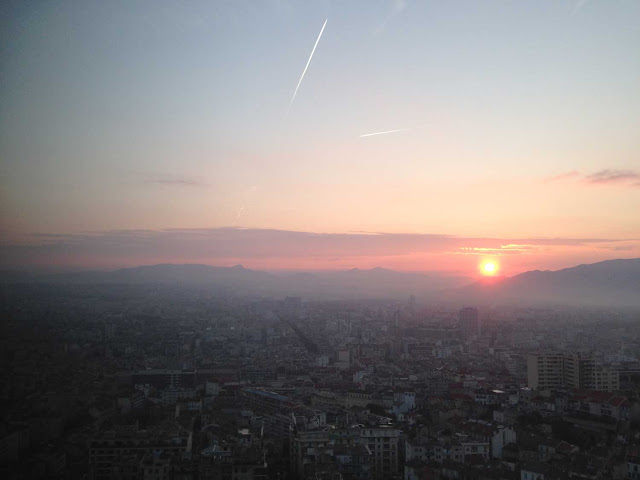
<point>276,250</point>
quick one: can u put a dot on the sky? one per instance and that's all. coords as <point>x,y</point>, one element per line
<point>164,131</point>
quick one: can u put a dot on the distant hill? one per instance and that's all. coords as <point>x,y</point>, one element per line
<point>230,279</point>
<point>608,283</point>
<point>349,284</point>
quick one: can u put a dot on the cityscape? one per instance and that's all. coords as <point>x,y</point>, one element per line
<point>320,240</point>
<point>160,381</point>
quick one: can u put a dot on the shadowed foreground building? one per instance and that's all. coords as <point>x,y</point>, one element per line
<point>369,451</point>
<point>125,452</point>
<point>130,453</point>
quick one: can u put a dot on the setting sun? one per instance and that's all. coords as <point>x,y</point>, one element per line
<point>489,268</point>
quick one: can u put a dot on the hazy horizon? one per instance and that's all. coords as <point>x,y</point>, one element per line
<point>277,250</point>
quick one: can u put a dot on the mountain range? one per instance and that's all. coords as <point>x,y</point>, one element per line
<point>347,284</point>
<point>608,283</point>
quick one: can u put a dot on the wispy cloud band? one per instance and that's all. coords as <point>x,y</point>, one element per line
<point>629,178</point>
<point>614,176</point>
<point>217,245</point>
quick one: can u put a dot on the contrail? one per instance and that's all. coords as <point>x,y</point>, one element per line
<point>241,211</point>
<point>390,131</point>
<point>307,65</point>
<point>579,4</point>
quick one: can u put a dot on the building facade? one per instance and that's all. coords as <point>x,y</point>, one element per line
<point>382,442</point>
<point>553,370</point>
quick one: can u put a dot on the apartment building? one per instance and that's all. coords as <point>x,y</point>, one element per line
<point>553,370</point>
<point>381,441</point>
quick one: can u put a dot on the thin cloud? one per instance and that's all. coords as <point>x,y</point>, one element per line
<point>614,176</point>
<point>177,181</point>
<point>624,248</point>
<point>510,249</point>
<point>241,211</point>
<point>223,245</point>
<point>603,177</point>
<point>578,6</point>
<point>563,176</point>
<point>397,7</point>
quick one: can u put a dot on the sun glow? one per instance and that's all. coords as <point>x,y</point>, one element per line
<point>489,268</point>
